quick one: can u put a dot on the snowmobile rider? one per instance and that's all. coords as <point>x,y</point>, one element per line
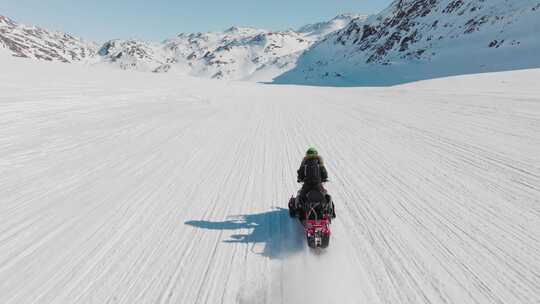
<point>312,173</point>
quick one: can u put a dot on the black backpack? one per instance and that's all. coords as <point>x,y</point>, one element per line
<point>312,171</point>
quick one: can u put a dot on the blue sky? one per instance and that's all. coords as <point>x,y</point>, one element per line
<point>101,20</point>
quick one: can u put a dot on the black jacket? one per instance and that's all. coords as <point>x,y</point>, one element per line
<point>302,170</point>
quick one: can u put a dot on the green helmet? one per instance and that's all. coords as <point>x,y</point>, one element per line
<point>311,151</point>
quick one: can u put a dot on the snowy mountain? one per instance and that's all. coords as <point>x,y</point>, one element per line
<point>240,53</point>
<point>410,40</point>
<point>237,53</point>
<point>35,42</point>
<point>420,39</point>
<point>132,55</point>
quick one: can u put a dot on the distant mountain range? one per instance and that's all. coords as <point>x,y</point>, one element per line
<point>410,40</point>
<point>240,53</point>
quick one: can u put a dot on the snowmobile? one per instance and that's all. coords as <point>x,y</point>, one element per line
<point>315,211</point>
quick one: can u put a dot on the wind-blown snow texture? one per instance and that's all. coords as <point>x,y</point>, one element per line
<point>144,188</point>
<point>423,39</point>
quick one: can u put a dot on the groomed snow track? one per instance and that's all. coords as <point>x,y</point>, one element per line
<point>137,188</point>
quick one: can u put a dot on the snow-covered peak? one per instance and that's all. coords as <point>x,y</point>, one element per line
<point>5,21</point>
<point>132,54</point>
<point>322,29</point>
<point>242,30</point>
<point>235,53</point>
<point>35,42</point>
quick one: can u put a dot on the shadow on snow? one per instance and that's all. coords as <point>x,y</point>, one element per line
<point>388,76</point>
<point>280,235</point>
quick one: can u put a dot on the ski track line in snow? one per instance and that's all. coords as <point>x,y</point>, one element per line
<point>146,189</point>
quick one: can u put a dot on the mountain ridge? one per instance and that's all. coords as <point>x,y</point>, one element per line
<point>421,39</point>
<point>237,53</point>
<point>410,40</point>
<point>38,43</point>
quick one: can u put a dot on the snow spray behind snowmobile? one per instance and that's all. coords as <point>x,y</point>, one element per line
<point>315,212</point>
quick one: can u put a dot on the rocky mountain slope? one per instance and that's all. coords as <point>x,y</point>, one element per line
<point>420,39</point>
<point>35,42</point>
<point>131,54</point>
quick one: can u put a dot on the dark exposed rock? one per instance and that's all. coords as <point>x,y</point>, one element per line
<point>218,75</point>
<point>408,40</point>
<point>496,43</point>
<point>453,6</point>
<point>223,48</point>
<point>473,24</point>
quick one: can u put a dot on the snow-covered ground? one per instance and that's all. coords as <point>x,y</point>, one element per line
<point>120,187</point>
